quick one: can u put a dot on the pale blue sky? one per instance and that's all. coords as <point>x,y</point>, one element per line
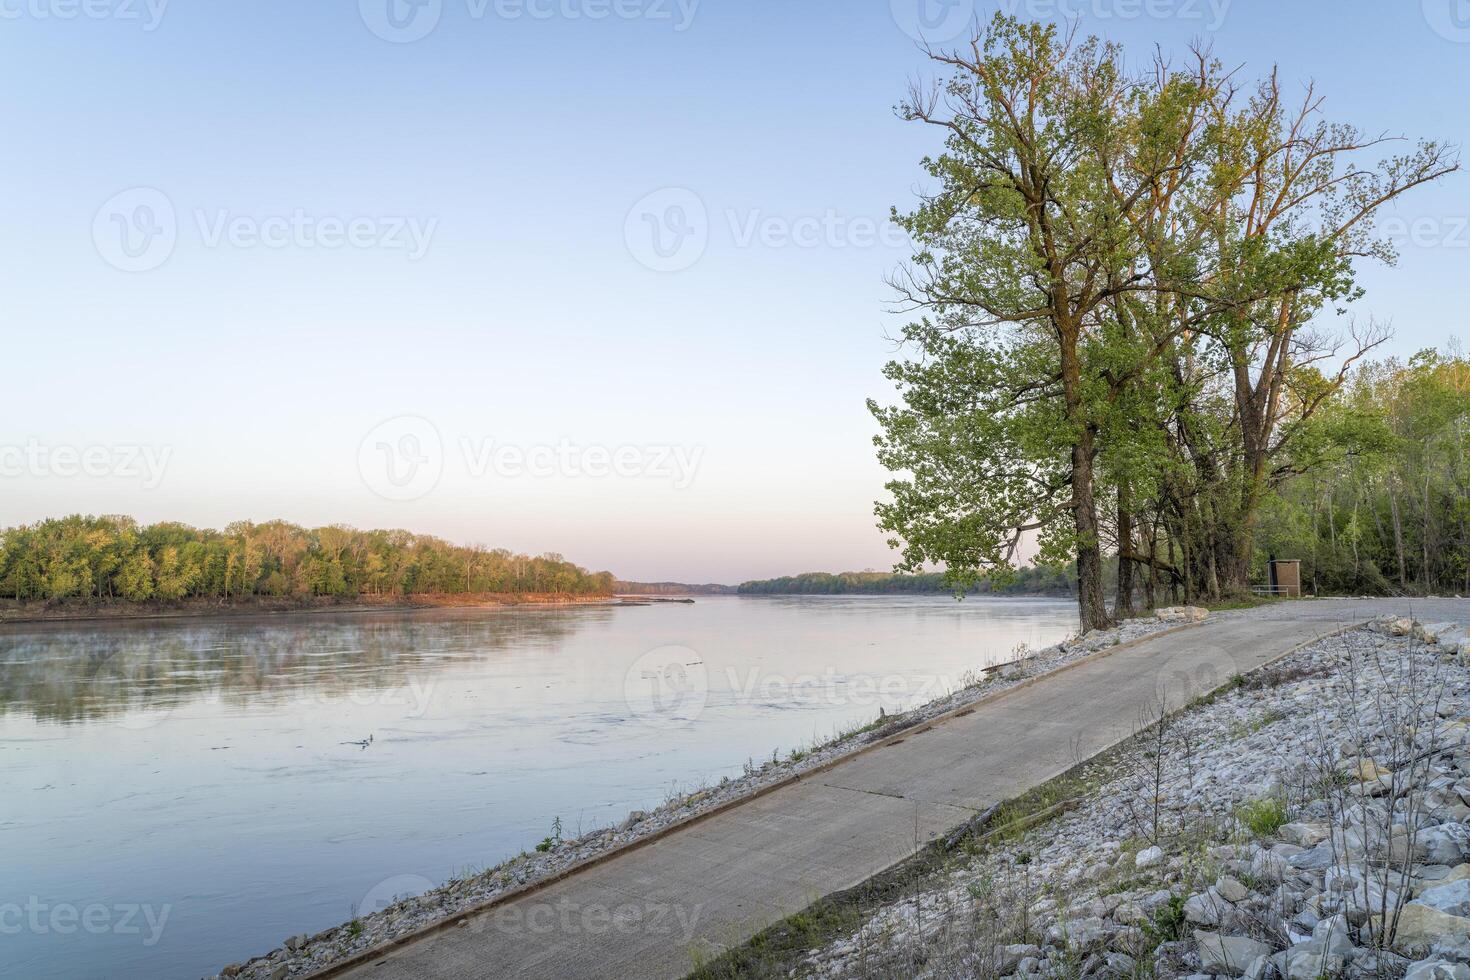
<point>508,146</point>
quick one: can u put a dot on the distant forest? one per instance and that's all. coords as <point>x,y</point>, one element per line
<point>1024,581</point>
<point>104,558</point>
<point>671,588</point>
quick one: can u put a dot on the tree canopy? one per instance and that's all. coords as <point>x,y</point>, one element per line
<point>116,558</point>
<point>1122,289</point>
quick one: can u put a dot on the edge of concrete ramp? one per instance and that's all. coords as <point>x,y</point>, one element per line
<point>369,955</point>
<point>1032,820</point>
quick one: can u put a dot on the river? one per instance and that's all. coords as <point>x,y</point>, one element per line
<point>178,795</point>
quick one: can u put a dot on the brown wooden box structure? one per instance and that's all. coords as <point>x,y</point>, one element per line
<point>1286,578</point>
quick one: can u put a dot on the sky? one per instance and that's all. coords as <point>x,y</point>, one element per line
<point>598,277</point>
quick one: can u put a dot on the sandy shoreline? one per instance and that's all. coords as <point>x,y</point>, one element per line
<point>65,613</point>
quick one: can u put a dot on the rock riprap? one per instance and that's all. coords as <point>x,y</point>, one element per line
<point>1309,821</point>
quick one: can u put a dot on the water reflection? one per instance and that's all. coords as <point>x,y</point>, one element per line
<point>214,767</point>
<point>69,675</point>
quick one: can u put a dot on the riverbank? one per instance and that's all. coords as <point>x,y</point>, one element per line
<point>84,611</point>
<point>302,955</point>
<point>1310,820</point>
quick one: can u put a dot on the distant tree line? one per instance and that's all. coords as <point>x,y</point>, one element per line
<point>1024,581</point>
<point>671,588</point>
<point>115,558</point>
<point>1377,497</point>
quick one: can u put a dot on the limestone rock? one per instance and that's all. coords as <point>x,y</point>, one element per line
<point>1008,958</point>
<point>1421,927</point>
<point>1437,969</point>
<point>1327,955</point>
<point>1228,954</point>
<point>1452,897</point>
<point>1402,626</point>
<point>1303,834</point>
<point>1425,877</point>
<point>1203,909</point>
<point>1149,857</point>
<point>1433,632</point>
<point>1448,843</point>
<point>1231,890</point>
<point>1080,934</point>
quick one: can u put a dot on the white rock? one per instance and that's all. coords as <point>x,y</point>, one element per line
<point>1446,844</point>
<point>1318,957</point>
<point>1421,927</point>
<point>1081,934</point>
<point>1204,908</point>
<point>1149,857</point>
<point>1453,897</point>
<point>1402,626</point>
<point>1437,969</point>
<point>1228,954</point>
<point>1182,614</point>
<point>1268,866</point>
<point>1260,968</point>
<point>1303,834</point>
<point>1008,958</point>
<point>1231,890</point>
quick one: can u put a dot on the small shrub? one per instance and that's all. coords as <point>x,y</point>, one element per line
<point>1168,923</point>
<point>1262,817</point>
<point>550,843</point>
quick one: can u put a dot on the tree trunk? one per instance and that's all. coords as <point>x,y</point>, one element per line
<point>1151,584</point>
<point>1123,605</point>
<point>1091,606</point>
<point>1398,530</point>
<point>1428,573</point>
<point>1174,562</point>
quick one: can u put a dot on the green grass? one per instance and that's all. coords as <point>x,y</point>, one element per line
<point>1262,817</point>
<point>1243,602</point>
<point>1244,729</point>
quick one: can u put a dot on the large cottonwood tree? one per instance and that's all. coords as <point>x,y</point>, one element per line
<point>1116,287</point>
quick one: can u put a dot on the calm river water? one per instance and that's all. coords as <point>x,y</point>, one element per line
<point>175,796</point>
